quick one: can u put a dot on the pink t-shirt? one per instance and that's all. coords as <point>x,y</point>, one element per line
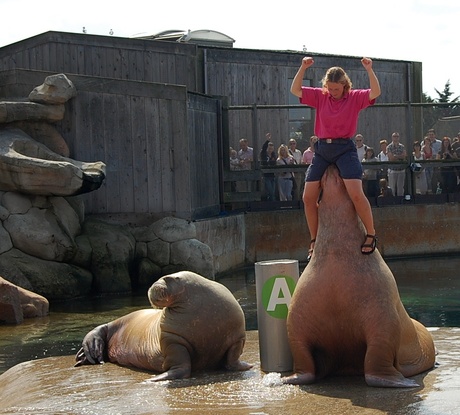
<point>336,118</point>
<point>307,156</point>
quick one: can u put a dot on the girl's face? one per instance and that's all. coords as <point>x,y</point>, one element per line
<point>335,90</point>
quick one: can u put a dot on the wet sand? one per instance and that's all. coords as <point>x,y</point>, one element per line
<point>54,386</point>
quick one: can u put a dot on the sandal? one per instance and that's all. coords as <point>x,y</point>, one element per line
<point>371,245</point>
<point>310,251</point>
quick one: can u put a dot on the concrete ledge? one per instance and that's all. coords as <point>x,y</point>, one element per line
<point>404,230</point>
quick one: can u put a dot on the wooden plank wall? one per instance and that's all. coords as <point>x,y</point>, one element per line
<point>160,128</point>
<point>152,137</point>
<point>107,57</point>
<point>249,77</point>
<point>203,140</point>
<point>244,76</point>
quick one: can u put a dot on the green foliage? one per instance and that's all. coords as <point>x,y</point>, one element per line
<point>433,113</point>
<point>446,94</point>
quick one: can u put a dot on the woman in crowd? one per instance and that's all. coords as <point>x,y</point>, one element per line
<point>448,175</point>
<point>421,186</point>
<point>285,180</point>
<point>427,151</point>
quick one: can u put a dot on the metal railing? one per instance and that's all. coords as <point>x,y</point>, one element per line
<point>253,196</point>
<point>415,118</point>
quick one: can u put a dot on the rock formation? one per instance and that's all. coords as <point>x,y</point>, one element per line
<point>16,303</point>
<point>46,243</point>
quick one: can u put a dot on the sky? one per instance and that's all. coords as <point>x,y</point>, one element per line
<point>411,30</point>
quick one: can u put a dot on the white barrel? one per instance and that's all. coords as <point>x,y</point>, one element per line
<point>275,284</point>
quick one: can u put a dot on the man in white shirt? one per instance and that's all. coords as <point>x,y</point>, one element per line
<point>436,148</point>
<point>360,146</point>
<point>396,175</point>
<point>246,157</point>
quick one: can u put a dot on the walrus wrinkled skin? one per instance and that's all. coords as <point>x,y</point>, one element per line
<point>346,316</point>
<point>200,327</point>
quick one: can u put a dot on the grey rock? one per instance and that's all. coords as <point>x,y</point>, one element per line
<point>31,111</point>
<point>68,219</point>
<point>39,233</point>
<point>52,280</point>
<point>113,248</point>
<point>4,213</point>
<point>16,202</point>
<point>5,241</point>
<point>45,133</point>
<point>171,229</point>
<point>57,89</point>
<point>147,273</point>
<point>28,166</point>
<point>10,304</point>
<point>83,253</point>
<point>194,255</point>
<point>141,250</point>
<point>144,234</point>
<point>158,251</point>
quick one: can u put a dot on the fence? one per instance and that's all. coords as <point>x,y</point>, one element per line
<point>411,118</point>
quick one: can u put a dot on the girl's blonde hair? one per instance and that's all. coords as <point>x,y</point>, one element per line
<point>337,75</point>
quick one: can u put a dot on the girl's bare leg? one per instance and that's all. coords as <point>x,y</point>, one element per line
<point>363,208</point>
<point>310,202</point>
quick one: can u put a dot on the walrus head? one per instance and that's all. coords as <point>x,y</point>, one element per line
<point>165,291</point>
<point>340,231</point>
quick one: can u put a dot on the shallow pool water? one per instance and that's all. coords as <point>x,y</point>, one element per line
<point>429,289</point>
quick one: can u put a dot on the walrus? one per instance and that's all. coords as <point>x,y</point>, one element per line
<point>346,315</point>
<point>200,326</point>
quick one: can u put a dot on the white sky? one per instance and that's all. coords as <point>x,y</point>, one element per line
<point>415,30</point>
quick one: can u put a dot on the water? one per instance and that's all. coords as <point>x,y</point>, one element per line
<point>429,289</point>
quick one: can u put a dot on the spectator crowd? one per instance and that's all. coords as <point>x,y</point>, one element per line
<point>378,180</point>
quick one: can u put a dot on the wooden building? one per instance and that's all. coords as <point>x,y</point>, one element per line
<point>163,114</point>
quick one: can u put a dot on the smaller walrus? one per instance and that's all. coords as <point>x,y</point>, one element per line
<point>200,327</point>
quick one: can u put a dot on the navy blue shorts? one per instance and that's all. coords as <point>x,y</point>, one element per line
<point>343,155</point>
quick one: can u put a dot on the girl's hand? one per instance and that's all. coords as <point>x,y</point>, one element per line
<point>367,63</point>
<point>307,62</point>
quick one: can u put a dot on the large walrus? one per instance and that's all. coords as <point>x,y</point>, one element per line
<point>346,316</point>
<point>200,326</point>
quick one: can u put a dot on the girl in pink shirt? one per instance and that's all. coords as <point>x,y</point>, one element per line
<point>337,109</point>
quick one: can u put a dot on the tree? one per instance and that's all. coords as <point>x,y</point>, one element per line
<point>429,112</point>
<point>432,114</point>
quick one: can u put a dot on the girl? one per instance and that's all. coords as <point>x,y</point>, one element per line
<point>337,109</point>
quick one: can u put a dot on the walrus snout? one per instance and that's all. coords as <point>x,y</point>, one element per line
<point>163,292</point>
<point>158,294</point>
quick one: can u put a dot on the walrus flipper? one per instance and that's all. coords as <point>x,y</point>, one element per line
<point>393,382</point>
<point>233,361</point>
<point>93,350</point>
<point>177,363</point>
